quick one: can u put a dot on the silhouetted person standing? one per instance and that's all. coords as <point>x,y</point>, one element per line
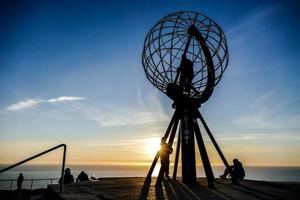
<point>82,177</point>
<point>237,170</point>
<point>187,73</point>
<point>68,177</point>
<point>20,181</point>
<point>164,153</point>
<point>186,70</point>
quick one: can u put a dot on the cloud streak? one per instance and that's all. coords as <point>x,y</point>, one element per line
<point>64,99</point>
<point>147,110</point>
<point>265,114</point>
<point>256,17</point>
<point>30,103</point>
<point>22,105</point>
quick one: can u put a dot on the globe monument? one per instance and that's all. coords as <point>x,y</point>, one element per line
<point>184,56</point>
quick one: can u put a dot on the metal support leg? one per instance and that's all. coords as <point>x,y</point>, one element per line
<point>148,178</point>
<point>174,117</point>
<point>234,181</point>
<point>171,139</point>
<point>177,153</point>
<point>205,160</point>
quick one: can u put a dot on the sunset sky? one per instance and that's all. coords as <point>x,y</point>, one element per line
<point>71,72</point>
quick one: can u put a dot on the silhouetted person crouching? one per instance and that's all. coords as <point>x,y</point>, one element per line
<point>68,177</point>
<point>82,177</point>
<point>164,153</point>
<point>20,181</point>
<point>237,170</point>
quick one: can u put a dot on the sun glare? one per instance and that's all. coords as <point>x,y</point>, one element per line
<point>151,146</point>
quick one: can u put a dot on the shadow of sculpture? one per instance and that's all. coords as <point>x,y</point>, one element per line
<point>145,190</point>
<point>171,189</point>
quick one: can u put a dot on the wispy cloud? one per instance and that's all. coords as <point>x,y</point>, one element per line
<point>64,99</point>
<point>245,36</point>
<point>148,109</point>
<point>255,17</point>
<point>262,98</point>
<point>265,114</point>
<point>130,117</point>
<point>25,104</point>
<point>29,103</point>
<point>261,121</point>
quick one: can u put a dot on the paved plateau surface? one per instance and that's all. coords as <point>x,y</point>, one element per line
<point>135,188</point>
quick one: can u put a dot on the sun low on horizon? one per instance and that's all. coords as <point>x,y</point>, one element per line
<point>151,146</point>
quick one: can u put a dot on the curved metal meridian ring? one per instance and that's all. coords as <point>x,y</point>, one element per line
<point>193,31</point>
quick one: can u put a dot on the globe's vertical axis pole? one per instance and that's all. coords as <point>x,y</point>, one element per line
<point>188,150</point>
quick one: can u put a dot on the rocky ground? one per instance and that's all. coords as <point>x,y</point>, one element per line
<point>135,188</point>
<point>37,194</point>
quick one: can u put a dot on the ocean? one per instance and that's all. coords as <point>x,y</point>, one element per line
<point>286,174</point>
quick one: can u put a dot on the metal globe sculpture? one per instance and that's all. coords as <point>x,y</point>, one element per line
<point>184,56</point>
<point>169,39</point>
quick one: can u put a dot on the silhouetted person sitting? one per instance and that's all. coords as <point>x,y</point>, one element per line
<point>237,170</point>
<point>82,177</point>
<point>68,177</point>
<point>20,181</point>
<point>164,153</point>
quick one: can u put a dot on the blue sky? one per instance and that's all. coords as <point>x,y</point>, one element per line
<point>72,73</point>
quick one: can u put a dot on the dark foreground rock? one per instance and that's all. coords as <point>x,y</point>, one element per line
<point>37,194</point>
<point>134,188</point>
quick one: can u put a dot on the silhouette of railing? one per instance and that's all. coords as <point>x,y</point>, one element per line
<point>40,154</point>
<point>29,180</point>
